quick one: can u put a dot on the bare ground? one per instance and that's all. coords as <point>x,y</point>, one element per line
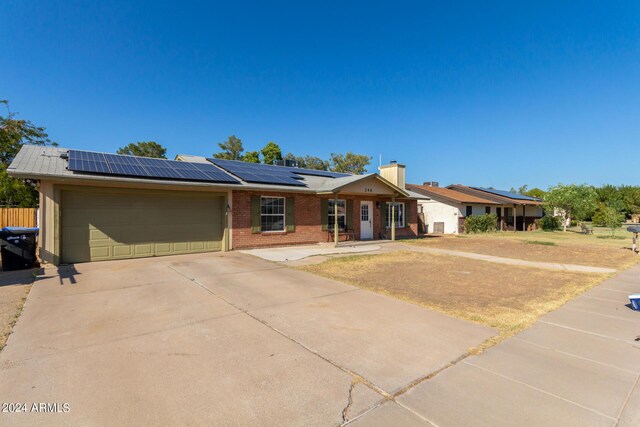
<point>506,297</point>
<point>14,288</point>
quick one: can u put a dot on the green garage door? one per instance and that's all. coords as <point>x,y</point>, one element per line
<point>103,225</point>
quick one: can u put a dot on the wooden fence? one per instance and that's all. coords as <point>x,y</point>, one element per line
<point>18,217</point>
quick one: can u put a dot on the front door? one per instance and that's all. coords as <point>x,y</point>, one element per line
<point>366,220</point>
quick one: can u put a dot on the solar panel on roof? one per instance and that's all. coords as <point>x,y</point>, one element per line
<point>128,169</point>
<point>114,164</point>
<point>257,173</point>
<point>270,174</point>
<point>89,166</point>
<point>507,194</point>
<point>163,172</point>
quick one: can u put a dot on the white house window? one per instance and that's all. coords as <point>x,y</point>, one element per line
<point>341,212</point>
<point>398,215</point>
<point>272,214</point>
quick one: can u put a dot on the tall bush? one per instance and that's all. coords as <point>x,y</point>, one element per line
<point>549,223</point>
<point>481,223</point>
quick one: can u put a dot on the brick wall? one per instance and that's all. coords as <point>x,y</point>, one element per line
<point>308,223</point>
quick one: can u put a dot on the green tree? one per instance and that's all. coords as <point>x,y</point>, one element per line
<point>524,190</point>
<point>609,195</point>
<point>251,157</point>
<point>316,163</point>
<point>536,192</point>
<point>612,219</point>
<point>231,149</point>
<point>144,149</point>
<point>298,159</point>
<point>270,153</point>
<point>308,162</point>
<point>570,202</point>
<point>630,196</point>
<point>350,163</point>
<point>14,133</point>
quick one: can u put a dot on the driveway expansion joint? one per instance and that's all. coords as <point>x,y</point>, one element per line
<point>626,401</point>
<point>355,375</point>
<point>555,350</point>
<point>546,322</point>
<point>540,390</point>
<point>601,315</point>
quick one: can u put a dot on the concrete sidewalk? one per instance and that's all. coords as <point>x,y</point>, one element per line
<point>321,252</point>
<point>577,366</point>
<point>295,253</point>
<point>513,261</point>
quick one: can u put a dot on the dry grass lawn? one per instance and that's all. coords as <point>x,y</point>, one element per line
<point>505,297</point>
<point>567,248</point>
<point>14,288</point>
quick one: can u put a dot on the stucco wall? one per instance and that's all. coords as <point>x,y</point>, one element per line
<point>47,250</point>
<point>436,211</point>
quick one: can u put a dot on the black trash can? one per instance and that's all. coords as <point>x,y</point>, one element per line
<point>18,248</point>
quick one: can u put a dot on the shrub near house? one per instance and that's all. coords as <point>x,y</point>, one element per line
<point>481,223</point>
<point>549,223</point>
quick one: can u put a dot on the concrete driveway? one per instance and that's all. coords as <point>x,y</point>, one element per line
<point>224,339</point>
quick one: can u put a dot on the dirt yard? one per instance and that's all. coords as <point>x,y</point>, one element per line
<point>14,287</point>
<point>502,296</point>
<point>542,246</point>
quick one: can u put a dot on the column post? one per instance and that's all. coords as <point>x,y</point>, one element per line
<point>393,218</point>
<point>335,219</point>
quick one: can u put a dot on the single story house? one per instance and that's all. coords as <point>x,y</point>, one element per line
<point>97,206</point>
<point>446,208</point>
<point>517,211</point>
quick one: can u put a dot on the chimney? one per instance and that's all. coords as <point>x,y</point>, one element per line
<point>394,173</point>
<point>431,184</point>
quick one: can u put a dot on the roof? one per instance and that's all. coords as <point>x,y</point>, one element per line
<point>335,185</point>
<point>500,196</point>
<point>448,194</point>
<point>508,194</point>
<point>38,162</point>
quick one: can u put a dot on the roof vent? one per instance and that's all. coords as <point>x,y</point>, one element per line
<point>288,163</point>
<point>431,184</point>
<point>64,155</point>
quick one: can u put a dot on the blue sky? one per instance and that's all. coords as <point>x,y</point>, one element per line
<point>481,93</point>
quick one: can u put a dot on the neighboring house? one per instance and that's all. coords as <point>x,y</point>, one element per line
<point>96,206</point>
<point>447,208</point>
<point>444,210</point>
<point>516,211</point>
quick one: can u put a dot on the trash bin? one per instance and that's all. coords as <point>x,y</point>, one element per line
<point>18,248</point>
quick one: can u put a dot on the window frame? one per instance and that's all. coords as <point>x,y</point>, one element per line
<point>487,210</point>
<point>284,214</point>
<point>330,219</point>
<point>468,211</point>
<point>398,224</point>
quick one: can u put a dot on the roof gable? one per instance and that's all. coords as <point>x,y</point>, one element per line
<point>362,184</point>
